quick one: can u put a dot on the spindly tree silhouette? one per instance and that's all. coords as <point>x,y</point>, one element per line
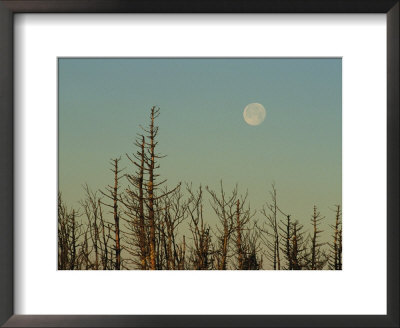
<point>113,195</point>
<point>318,256</point>
<point>272,241</point>
<point>144,194</point>
<point>225,208</point>
<point>335,262</point>
<point>69,234</point>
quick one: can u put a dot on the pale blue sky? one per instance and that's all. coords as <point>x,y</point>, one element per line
<point>202,131</point>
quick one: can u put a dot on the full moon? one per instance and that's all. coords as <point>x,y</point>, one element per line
<point>254,114</point>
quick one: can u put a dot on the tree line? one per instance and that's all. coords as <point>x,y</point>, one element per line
<point>138,224</point>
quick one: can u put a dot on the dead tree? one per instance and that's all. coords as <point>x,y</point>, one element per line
<point>74,238</point>
<point>225,209</point>
<point>239,229</point>
<point>286,236</point>
<point>251,248</point>
<point>243,216</point>
<point>135,204</point>
<point>175,211</point>
<point>91,207</point>
<point>267,238</point>
<point>84,254</point>
<point>152,186</point>
<point>106,258</point>
<point>335,262</point>
<point>69,233</point>
<point>112,193</point>
<point>298,248</point>
<point>143,198</point>
<point>151,165</point>
<point>340,250</point>
<point>63,235</point>
<point>181,254</point>
<point>201,251</point>
<point>270,212</point>
<point>318,257</point>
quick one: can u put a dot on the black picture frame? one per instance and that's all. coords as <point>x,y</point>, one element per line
<point>10,7</point>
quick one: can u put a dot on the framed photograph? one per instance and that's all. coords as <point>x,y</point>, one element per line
<point>202,164</point>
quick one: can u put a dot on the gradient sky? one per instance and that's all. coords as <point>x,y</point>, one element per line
<point>202,131</point>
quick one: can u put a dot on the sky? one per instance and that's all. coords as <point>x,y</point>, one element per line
<point>102,102</point>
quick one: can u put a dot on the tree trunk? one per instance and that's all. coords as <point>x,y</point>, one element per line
<point>150,196</point>
<point>239,237</point>
<point>116,218</point>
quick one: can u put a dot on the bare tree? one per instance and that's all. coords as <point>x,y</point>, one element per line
<point>135,204</point>
<point>142,201</point>
<point>112,193</point>
<point>286,236</point>
<point>335,262</point>
<point>106,257</point>
<point>270,212</point>
<point>91,207</point>
<point>318,256</point>
<point>225,209</point>
<point>63,235</point>
<point>298,247</point>
<point>244,241</point>
<point>239,229</point>
<point>175,212</point>
<point>69,232</point>
<point>201,251</point>
<point>251,247</point>
<point>340,250</point>
<point>152,186</point>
